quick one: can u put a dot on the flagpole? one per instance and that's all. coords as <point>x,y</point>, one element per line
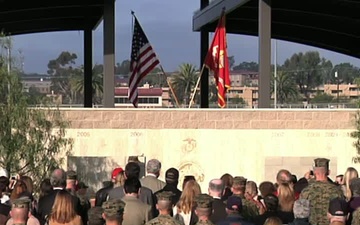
<point>197,85</point>
<point>170,86</point>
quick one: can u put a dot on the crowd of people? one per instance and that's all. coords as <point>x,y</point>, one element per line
<point>129,199</point>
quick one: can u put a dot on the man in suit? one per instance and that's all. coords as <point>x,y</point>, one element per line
<point>136,212</point>
<point>216,190</point>
<point>132,170</point>
<point>58,181</point>
<point>151,180</point>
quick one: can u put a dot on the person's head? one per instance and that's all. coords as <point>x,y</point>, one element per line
<point>216,188</point>
<point>301,209</point>
<point>227,179</point>
<point>115,173</point>
<point>71,179</point>
<point>271,202</point>
<point>95,215</point>
<point>119,180</point>
<point>29,183</point>
<point>153,167</point>
<point>45,187</point>
<point>233,205</point>
<point>82,188</point>
<point>266,188</point>
<point>339,179</point>
<point>321,169</point>
<point>132,186</point>
<point>58,178</point>
<point>238,186</point>
<point>19,188</point>
<point>188,178</point>
<point>355,187</point>
<point>283,177</point>
<point>338,210</point>
<point>251,189</point>
<point>63,210</point>
<point>164,202</point>
<point>172,176</point>
<point>350,174</point>
<point>187,198</point>
<point>273,221</point>
<point>20,210</point>
<point>294,179</point>
<point>113,211</point>
<point>132,170</point>
<point>4,183</point>
<point>203,206</point>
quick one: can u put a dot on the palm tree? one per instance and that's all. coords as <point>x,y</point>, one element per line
<point>286,88</point>
<point>184,81</point>
<point>97,84</point>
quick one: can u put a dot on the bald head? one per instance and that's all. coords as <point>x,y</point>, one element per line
<point>58,178</point>
<point>216,188</point>
<point>19,215</point>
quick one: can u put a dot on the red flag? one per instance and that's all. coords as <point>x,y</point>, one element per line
<point>217,61</point>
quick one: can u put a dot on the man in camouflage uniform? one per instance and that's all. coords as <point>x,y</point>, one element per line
<point>164,205</point>
<point>95,215</point>
<point>20,209</point>
<point>113,211</point>
<point>249,208</point>
<point>320,192</point>
<point>204,209</point>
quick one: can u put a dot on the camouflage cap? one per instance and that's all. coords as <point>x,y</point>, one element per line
<point>95,214</point>
<point>301,208</point>
<point>23,202</point>
<point>113,207</point>
<point>241,181</point>
<point>71,175</point>
<point>204,201</point>
<point>164,196</point>
<point>322,162</point>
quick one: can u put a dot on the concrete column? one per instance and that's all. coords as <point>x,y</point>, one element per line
<point>88,55</point>
<point>264,53</point>
<point>109,53</point>
<point>204,47</point>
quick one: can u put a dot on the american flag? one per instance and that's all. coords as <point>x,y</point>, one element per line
<point>143,61</point>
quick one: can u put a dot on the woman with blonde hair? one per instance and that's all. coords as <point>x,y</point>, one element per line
<point>119,180</point>
<point>350,174</point>
<point>285,191</point>
<point>184,209</point>
<point>63,210</point>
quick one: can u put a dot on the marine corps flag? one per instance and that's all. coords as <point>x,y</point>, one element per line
<point>217,61</point>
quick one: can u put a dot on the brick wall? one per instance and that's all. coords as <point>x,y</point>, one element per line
<point>210,119</point>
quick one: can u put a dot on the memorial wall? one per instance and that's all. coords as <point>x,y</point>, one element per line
<point>209,143</point>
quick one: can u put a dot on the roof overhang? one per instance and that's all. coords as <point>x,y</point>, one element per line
<point>24,16</point>
<point>328,24</point>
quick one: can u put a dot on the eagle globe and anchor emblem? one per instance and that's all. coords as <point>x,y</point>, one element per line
<point>191,168</point>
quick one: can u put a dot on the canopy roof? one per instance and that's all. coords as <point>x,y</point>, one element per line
<point>328,24</point>
<point>32,16</point>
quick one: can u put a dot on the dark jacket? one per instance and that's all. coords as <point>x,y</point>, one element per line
<point>219,212</point>
<point>102,194</point>
<point>300,221</point>
<point>234,219</point>
<point>46,203</point>
<point>173,189</point>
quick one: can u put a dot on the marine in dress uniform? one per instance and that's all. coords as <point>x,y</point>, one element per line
<point>164,205</point>
<point>319,193</point>
<point>203,209</point>
<point>113,211</point>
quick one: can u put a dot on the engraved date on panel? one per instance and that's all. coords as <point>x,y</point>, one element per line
<point>83,134</point>
<point>277,134</point>
<point>331,134</point>
<point>135,134</point>
<point>313,134</point>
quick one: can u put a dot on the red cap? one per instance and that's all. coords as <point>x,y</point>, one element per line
<point>116,172</point>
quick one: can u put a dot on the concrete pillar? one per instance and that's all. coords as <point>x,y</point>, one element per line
<point>109,53</point>
<point>204,47</point>
<point>264,53</point>
<point>88,55</point>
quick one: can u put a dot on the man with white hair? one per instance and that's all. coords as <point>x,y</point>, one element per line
<point>151,180</point>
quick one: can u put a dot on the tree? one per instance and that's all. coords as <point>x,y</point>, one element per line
<point>32,141</point>
<point>123,68</point>
<point>248,66</point>
<point>64,76</point>
<point>347,73</point>
<point>286,89</point>
<point>321,97</point>
<point>184,81</point>
<point>307,71</point>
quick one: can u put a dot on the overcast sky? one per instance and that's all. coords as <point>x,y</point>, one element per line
<point>168,25</point>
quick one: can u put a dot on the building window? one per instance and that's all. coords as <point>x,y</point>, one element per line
<point>141,100</point>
